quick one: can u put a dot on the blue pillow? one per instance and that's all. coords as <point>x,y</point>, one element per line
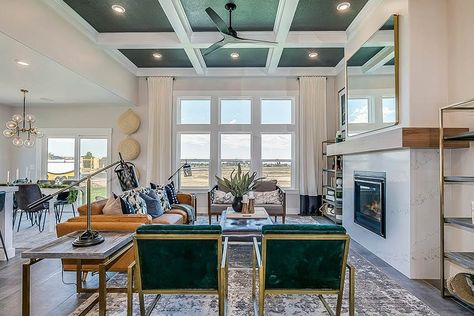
<point>153,205</point>
<point>127,208</point>
<point>171,193</point>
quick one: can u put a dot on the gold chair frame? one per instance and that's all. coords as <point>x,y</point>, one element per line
<point>259,263</point>
<point>134,273</point>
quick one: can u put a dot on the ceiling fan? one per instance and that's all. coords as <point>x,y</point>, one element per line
<point>230,35</point>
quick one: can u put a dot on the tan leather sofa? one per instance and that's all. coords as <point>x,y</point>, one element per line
<point>125,223</point>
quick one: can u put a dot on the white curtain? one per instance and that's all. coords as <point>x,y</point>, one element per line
<point>159,151</point>
<point>312,129</point>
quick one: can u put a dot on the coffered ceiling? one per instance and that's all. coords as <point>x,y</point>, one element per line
<point>310,35</point>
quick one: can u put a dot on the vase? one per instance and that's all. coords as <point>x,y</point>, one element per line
<point>237,204</point>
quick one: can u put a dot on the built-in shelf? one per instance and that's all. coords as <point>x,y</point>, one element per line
<point>333,203</point>
<point>458,179</point>
<point>332,170</point>
<point>468,136</point>
<point>327,186</point>
<point>461,221</point>
<point>333,218</point>
<point>463,259</point>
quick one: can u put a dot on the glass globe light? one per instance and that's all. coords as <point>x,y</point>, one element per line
<point>30,118</point>
<point>11,125</point>
<point>39,134</point>
<point>17,118</point>
<point>8,133</point>
<point>17,141</point>
<point>29,143</point>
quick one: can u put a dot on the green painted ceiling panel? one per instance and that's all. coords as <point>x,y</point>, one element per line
<point>322,15</point>
<point>139,16</point>
<point>298,57</point>
<point>249,57</point>
<point>363,55</point>
<point>250,15</point>
<point>171,58</point>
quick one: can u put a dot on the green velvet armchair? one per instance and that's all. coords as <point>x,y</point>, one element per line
<point>314,262</point>
<point>178,259</point>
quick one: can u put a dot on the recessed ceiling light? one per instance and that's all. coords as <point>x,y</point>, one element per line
<point>118,8</point>
<point>234,55</point>
<point>313,55</point>
<point>21,62</point>
<point>157,56</point>
<point>343,6</point>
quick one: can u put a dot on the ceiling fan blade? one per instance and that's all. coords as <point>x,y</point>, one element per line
<point>216,19</point>
<point>253,41</point>
<point>215,47</point>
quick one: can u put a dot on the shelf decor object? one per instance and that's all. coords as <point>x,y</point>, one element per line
<point>21,128</point>
<point>89,237</point>
<point>463,259</point>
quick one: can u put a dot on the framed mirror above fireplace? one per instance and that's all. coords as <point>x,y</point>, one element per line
<point>369,201</point>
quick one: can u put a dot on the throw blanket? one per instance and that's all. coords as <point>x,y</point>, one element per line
<point>188,209</point>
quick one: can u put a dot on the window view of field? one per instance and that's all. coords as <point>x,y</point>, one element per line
<point>280,171</point>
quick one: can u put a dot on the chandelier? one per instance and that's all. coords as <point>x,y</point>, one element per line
<point>21,127</point>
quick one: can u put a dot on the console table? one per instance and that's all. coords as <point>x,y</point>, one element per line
<point>6,218</point>
<point>106,253</point>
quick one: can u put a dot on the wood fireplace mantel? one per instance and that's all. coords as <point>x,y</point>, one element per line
<point>398,138</point>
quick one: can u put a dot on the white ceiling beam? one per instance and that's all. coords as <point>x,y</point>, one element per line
<point>384,70</point>
<point>177,17</point>
<point>284,17</point>
<point>379,59</point>
<point>239,72</point>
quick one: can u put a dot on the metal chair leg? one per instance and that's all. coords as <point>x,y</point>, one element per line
<point>19,222</point>
<point>43,215</point>
<point>73,210</point>
<point>3,245</point>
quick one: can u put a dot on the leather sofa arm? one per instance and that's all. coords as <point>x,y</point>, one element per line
<point>187,198</point>
<point>125,218</point>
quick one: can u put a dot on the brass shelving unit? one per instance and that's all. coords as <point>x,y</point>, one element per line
<point>460,258</point>
<point>331,171</point>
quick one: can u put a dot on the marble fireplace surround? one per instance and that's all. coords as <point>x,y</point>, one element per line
<point>412,203</point>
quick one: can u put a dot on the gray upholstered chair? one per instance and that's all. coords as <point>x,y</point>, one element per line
<point>26,194</point>
<point>278,209</point>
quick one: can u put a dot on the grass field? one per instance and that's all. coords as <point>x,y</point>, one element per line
<point>200,177</point>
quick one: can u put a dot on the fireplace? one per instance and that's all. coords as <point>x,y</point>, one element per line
<point>369,201</point>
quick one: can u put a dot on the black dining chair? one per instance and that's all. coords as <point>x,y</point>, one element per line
<point>65,198</point>
<point>2,208</point>
<point>26,194</point>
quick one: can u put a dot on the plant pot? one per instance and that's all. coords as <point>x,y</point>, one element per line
<point>237,204</point>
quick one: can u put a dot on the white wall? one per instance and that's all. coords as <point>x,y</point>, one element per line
<point>5,144</point>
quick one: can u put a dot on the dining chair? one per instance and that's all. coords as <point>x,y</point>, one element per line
<point>26,194</point>
<point>2,208</point>
<point>62,199</point>
<point>315,262</point>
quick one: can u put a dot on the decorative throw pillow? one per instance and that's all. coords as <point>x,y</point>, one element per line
<point>112,207</point>
<point>133,197</point>
<point>266,185</point>
<point>221,197</point>
<point>127,208</point>
<point>171,193</point>
<point>153,205</point>
<point>165,203</point>
<point>269,197</point>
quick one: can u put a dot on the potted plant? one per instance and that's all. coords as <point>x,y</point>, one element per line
<point>238,184</point>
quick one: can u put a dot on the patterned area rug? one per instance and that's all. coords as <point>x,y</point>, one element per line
<point>376,293</point>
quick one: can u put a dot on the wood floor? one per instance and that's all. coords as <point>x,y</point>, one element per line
<point>53,293</point>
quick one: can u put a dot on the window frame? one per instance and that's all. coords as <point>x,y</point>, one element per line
<point>178,157</point>
<point>255,129</point>
<point>293,154</point>
<point>219,118</point>
<point>293,111</point>
<point>178,110</point>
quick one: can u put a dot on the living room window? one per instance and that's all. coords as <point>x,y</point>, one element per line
<point>358,110</point>
<point>256,131</point>
<point>388,109</point>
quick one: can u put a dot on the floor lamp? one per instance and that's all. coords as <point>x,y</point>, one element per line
<point>187,172</point>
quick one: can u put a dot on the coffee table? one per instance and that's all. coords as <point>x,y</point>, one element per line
<point>243,229</point>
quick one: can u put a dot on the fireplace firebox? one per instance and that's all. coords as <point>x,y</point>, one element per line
<point>369,201</point>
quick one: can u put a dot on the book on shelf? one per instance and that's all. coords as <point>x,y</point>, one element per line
<point>330,198</point>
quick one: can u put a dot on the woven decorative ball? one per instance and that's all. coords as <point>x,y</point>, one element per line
<point>130,148</point>
<point>128,122</point>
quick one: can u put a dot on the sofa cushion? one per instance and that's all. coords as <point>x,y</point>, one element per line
<point>153,205</point>
<point>165,203</point>
<point>133,197</point>
<point>267,197</point>
<point>169,218</point>
<point>266,185</point>
<point>221,197</point>
<point>127,208</point>
<point>96,208</point>
<point>113,206</point>
<point>171,193</point>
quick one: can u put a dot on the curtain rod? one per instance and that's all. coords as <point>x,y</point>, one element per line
<point>298,78</point>
<point>162,77</point>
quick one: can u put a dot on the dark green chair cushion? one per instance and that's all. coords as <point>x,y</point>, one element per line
<point>179,229</point>
<point>178,264</point>
<point>303,229</point>
<point>303,264</point>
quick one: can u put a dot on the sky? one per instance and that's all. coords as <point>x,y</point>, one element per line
<point>65,147</point>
